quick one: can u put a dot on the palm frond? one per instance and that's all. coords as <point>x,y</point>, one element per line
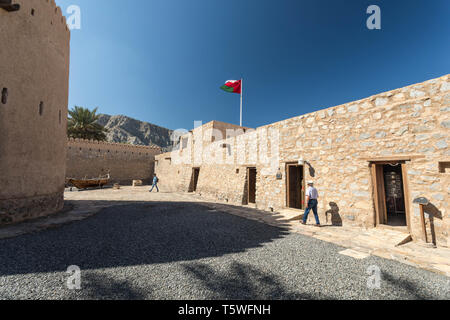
<point>82,124</point>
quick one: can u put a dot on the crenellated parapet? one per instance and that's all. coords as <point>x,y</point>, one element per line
<point>124,146</point>
<point>124,162</point>
<point>43,14</point>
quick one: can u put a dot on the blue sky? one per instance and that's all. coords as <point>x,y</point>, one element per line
<point>163,61</point>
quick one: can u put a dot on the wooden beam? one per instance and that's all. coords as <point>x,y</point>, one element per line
<point>382,194</point>
<point>406,196</point>
<point>9,6</point>
<point>373,170</point>
<point>393,158</point>
<point>422,221</point>
<point>288,193</point>
<point>379,194</point>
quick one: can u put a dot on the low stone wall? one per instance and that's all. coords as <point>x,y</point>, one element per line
<point>125,163</point>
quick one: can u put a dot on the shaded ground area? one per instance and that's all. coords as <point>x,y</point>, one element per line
<point>186,250</point>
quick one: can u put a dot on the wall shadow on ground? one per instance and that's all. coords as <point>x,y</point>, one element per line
<point>100,286</point>
<point>136,234</point>
<point>408,287</point>
<point>242,281</point>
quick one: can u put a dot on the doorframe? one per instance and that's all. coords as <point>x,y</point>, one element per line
<point>381,203</point>
<point>407,196</point>
<point>293,164</point>
<point>193,187</point>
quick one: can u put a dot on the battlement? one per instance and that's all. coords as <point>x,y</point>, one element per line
<point>45,13</point>
<point>123,146</point>
<point>124,162</point>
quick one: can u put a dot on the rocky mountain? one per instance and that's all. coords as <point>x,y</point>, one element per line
<point>122,129</point>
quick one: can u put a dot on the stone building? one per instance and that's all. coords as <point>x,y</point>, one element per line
<point>370,159</point>
<point>34,81</point>
<point>124,162</point>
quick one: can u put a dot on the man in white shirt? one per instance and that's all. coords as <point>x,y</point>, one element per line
<point>311,199</point>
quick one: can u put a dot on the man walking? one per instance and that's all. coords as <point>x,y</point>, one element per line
<point>311,199</point>
<point>155,183</point>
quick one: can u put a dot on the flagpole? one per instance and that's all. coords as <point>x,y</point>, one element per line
<point>242,92</point>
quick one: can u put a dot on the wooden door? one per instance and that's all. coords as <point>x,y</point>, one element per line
<point>295,186</point>
<point>379,194</point>
<point>251,174</point>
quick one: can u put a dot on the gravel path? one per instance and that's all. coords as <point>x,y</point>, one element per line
<point>190,251</point>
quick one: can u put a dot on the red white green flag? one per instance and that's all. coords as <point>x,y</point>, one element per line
<point>232,86</point>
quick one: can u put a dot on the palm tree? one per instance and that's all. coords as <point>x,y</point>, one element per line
<point>82,124</point>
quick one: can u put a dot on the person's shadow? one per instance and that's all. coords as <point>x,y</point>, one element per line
<point>336,219</point>
<point>433,212</point>
<point>312,171</point>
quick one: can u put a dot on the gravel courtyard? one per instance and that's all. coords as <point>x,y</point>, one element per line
<point>186,250</point>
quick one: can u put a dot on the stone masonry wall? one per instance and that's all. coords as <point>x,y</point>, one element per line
<point>125,163</point>
<point>174,169</point>
<point>172,178</point>
<point>339,145</point>
<point>337,142</point>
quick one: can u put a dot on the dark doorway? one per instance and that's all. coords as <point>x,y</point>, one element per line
<point>194,180</point>
<point>251,189</point>
<point>395,196</point>
<point>295,186</point>
<point>390,200</point>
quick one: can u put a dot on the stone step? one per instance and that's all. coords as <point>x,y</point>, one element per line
<point>359,255</point>
<point>291,214</point>
<point>388,228</point>
<point>382,237</point>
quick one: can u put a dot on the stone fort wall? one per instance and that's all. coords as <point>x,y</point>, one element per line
<point>340,145</point>
<point>124,162</point>
<point>34,82</point>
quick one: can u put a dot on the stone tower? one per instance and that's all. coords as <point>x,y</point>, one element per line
<point>34,83</point>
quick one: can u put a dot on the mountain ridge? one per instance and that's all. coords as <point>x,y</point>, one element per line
<point>124,129</point>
